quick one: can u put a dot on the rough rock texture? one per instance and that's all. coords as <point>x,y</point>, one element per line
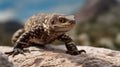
<point>4,61</point>
<point>55,57</point>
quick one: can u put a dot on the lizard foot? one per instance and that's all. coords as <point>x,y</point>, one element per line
<point>17,51</point>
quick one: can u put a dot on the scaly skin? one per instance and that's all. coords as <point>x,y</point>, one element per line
<point>44,29</point>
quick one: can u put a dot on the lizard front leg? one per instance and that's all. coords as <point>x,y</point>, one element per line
<point>70,45</point>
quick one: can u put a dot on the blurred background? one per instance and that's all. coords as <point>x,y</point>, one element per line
<point>98,21</point>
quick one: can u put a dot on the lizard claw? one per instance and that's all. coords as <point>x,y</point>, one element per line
<point>17,51</point>
<point>9,53</point>
<point>75,52</point>
<point>80,51</point>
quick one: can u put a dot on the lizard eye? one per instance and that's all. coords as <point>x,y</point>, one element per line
<point>62,20</point>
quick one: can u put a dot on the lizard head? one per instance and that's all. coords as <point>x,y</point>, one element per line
<point>62,23</point>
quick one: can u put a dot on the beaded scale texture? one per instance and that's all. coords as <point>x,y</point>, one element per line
<point>43,29</point>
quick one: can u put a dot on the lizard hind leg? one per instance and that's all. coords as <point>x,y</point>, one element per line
<point>23,42</point>
<point>16,35</point>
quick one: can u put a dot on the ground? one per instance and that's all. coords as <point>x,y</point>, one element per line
<point>55,57</point>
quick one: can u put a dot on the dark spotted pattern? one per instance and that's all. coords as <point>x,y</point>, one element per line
<point>44,29</point>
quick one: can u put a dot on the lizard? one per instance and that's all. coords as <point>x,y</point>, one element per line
<point>44,29</point>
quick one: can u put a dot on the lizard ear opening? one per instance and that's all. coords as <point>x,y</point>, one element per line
<point>52,22</point>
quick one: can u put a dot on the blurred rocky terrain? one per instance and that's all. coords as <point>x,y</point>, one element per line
<point>55,56</point>
<point>7,28</point>
<point>94,8</point>
<point>98,24</point>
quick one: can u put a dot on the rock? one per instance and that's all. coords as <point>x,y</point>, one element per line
<point>55,56</point>
<point>4,61</point>
<point>92,9</point>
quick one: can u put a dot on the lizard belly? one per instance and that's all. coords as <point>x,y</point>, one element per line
<point>44,41</point>
<point>44,38</point>
<point>38,41</point>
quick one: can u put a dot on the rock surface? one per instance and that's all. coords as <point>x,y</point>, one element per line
<point>4,61</point>
<point>55,56</point>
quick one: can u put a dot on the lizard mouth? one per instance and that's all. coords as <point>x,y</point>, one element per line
<point>63,27</point>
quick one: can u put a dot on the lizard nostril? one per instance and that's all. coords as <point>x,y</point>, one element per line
<point>72,21</point>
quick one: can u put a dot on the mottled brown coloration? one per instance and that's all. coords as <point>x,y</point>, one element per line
<point>17,35</point>
<point>44,29</point>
